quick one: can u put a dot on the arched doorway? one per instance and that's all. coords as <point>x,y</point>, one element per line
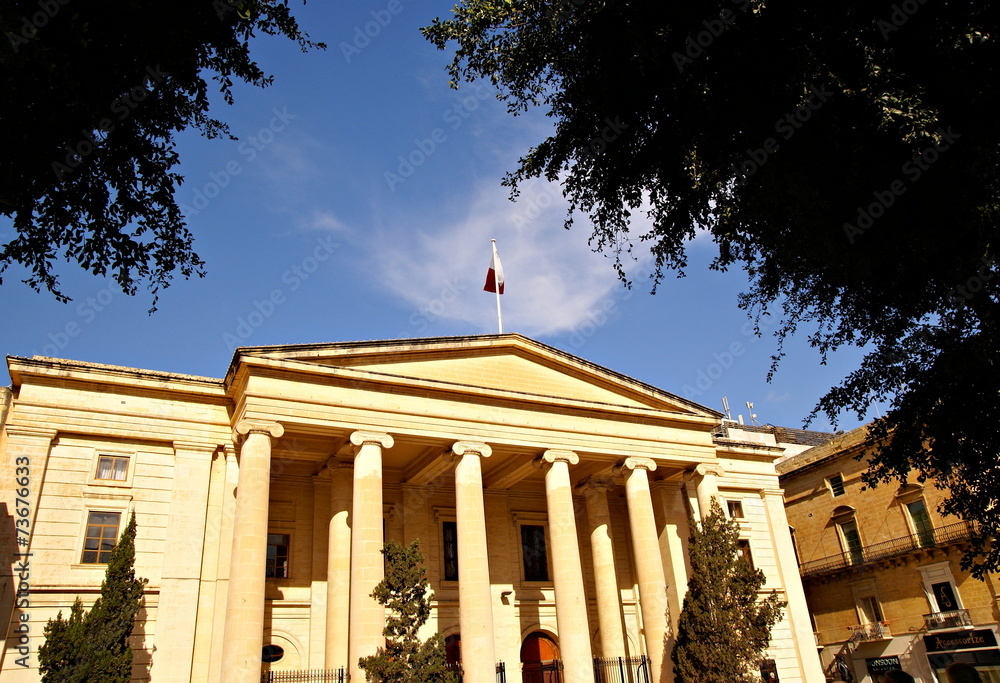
<point>453,652</point>
<point>540,659</point>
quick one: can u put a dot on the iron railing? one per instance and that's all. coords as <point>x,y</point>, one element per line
<point>939,536</point>
<point>621,669</point>
<point>501,672</point>
<point>866,633</point>
<point>304,676</point>
<point>956,618</point>
<point>542,672</point>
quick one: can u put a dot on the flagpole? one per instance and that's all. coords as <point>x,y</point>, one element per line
<point>497,288</point>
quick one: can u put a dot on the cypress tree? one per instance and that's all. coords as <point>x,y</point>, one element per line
<point>94,647</point>
<point>61,656</point>
<point>724,626</point>
<point>406,658</point>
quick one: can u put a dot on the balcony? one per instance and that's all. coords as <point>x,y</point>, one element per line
<point>868,633</point>
<point>897,547</point>
<point>939,621</point>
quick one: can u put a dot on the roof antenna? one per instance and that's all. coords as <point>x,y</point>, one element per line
<point>725,408</point>
<point>753,415</point>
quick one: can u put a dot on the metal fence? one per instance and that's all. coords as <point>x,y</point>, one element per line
<point>542,672</point>
<point>303,676</point>
<point>501,673</point>
<point>621,669</point>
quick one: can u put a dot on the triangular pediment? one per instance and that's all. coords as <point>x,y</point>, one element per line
<point>509,362</point>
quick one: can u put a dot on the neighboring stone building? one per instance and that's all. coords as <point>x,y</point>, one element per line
<point>551,497</point>
<point>881,569</point>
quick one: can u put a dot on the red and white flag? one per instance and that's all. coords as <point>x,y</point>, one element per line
<point>494,276</point>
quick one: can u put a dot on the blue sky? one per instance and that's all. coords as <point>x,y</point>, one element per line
<point>359,203</point>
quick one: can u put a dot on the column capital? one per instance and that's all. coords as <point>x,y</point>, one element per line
<point>554,455</point>
<point>634,463</point>
<point>707,468</point>
<point>777,493</point>
<point>597,484</point>
<point>460,448</point>
<point>362,438</point>
<point>248,427</point>
<point>334,463</point>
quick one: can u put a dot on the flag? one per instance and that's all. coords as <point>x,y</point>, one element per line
<point>494,276</point>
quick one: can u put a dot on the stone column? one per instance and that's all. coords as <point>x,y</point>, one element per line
<point>609,602</point>
<point>474,597</point>
<point>181,578</point>
<point>367,563</point>
<point>648,563</point>
<point>706,481</point>
<point>797,611</point>
<point>673,545</point>
<point>231,480</point>
<point>244,636</point>
<point>571,603</point>
<point>338,566</point>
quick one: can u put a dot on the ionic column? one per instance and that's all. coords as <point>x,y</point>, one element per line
<point>706,480</point>
<point>474,598</point>
<point>648,563</point>
<point>609,603</point>
<point>571,605</point>
<point>796,612</point>
<point>338,566</point>
<point>367,564</point>
<point>244,636</point>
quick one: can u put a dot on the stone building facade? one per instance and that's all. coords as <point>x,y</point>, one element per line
<point>551,497</point>
<point>882,571</point>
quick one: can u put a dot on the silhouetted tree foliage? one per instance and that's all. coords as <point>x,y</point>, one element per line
<point>94,647</point>
<point>845,155</point>
<point>406,658</point>
<point>724,626</point>
<point>95,93</point>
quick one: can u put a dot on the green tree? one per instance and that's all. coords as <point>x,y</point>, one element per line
<point>406,658</point>
<point>724,625</point>
<point>60,657</point>
<point>846,156</point>
<point>94,647</point>
<point>97,93</point>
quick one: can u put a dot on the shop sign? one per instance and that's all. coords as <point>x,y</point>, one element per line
<point>960,640</point>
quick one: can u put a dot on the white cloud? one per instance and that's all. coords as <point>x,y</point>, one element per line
<point>553,279</point>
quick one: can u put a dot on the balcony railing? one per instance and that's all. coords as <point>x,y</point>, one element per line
<point>938,621</point>
<point>304,676</point>
<point>933,538</point>
<point>867,633</point>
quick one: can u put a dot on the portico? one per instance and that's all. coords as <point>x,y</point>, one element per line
<point>551,499</point>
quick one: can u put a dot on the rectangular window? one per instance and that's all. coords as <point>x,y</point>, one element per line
<point>836,485</point>
<point>921,521</point>
<point>102,534</point>
<point>277,556</point>
<point>533,553</point>
<point>449,539</point>
<point>112,467</point>
<point>944,595</point>
<point>871,610</point>
<point>744,549</point>
<point>851,540</point>
<point>735,509</point>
